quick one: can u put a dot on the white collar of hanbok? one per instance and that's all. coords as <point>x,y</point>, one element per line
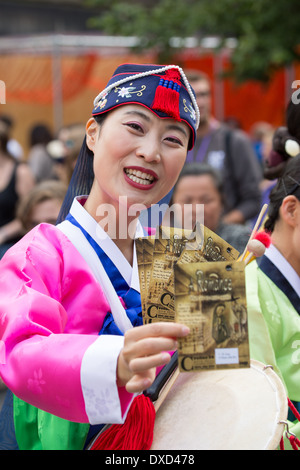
<point>129,273</point>
<point>274,255</point>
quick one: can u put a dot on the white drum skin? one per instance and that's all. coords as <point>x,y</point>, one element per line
<point>228,409</point>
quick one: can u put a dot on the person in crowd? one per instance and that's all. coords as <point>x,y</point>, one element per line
<point>16,180</point>
<point>273,281</point>
<point>199,183</point>
<point>79,355</point>
<point>14,147</point>
<point>259,132</point>
<point>229,151</point>
<point>71,137</point>
<point>57,152</point>
<point>266,184</point>
<point>65,150</point>
<point>39,160</point>
<point>42,204</point>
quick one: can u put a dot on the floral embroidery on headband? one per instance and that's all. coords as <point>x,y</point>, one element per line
<point>102,102</point>
<point>188,108</point>
<point>125,92</point>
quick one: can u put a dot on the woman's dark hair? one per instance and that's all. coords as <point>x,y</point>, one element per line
<point>199,169</point>
<point>82,177</point>
<point>40,134</point>
<point>287,184</point>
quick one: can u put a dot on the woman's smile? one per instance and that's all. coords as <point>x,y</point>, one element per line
<point>140,178</point>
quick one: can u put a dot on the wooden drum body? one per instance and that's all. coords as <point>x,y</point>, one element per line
<point>228,409</point>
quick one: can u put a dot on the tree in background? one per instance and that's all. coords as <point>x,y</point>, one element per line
<point>266,31</point>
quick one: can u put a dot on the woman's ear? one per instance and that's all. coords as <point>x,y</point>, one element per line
<point>91,131</point>
<point>289,210</point>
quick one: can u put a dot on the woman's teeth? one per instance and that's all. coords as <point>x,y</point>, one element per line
<point>139,177</point>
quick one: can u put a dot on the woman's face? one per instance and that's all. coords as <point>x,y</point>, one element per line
<point>136,154</point>
<point>46,211</point>
<point>198,189</point>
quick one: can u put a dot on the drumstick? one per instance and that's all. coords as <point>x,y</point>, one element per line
<point>259,219</point>
<point>166,390</point>
<point>257,246</point>
<point>154,390</point>
<point>164,381</point>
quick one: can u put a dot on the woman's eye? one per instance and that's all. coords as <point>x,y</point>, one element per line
<point>135,126</point>
<point>174,140</point>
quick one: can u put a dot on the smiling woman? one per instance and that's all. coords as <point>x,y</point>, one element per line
<point>131,143</point>
<point>79,354</point>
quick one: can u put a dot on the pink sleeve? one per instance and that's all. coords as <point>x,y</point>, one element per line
<point>39,362</point>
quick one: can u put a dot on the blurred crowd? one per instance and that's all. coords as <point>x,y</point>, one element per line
<point>33,182</point>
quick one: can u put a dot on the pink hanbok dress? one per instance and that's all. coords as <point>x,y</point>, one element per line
<point>61,330</point>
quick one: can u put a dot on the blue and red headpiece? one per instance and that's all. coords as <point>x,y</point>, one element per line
<point>164,90</point>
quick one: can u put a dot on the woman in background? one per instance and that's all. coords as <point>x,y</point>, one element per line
<point>16,180</point>
<point>273,281</point>
<point>42,204</point>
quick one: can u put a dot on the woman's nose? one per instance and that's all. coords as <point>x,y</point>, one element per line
<point>149,149</point>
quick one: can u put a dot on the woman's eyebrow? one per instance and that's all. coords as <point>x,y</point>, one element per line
<point>139,113</point>
<point>179,128</point>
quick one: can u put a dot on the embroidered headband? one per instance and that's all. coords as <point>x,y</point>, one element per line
<point>165,90</point>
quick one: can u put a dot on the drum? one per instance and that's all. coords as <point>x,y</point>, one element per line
<point>230,409</point>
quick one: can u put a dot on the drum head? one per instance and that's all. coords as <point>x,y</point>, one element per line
<point>232,409</point>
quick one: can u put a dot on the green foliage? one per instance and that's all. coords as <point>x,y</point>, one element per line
<point>266,30</point>
<point>153,24</point>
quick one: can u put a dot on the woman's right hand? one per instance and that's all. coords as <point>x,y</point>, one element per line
<point>146,348</point>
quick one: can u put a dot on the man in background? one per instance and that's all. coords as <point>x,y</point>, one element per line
<point>228,151</point>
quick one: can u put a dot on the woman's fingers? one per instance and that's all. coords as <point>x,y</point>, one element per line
<point>166,329</point>
<point>141,364</point>
<point>144,350</point>
<point>149,347</point>
<point>139,383</point>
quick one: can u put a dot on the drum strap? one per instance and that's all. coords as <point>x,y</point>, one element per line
<point>294,441</point>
